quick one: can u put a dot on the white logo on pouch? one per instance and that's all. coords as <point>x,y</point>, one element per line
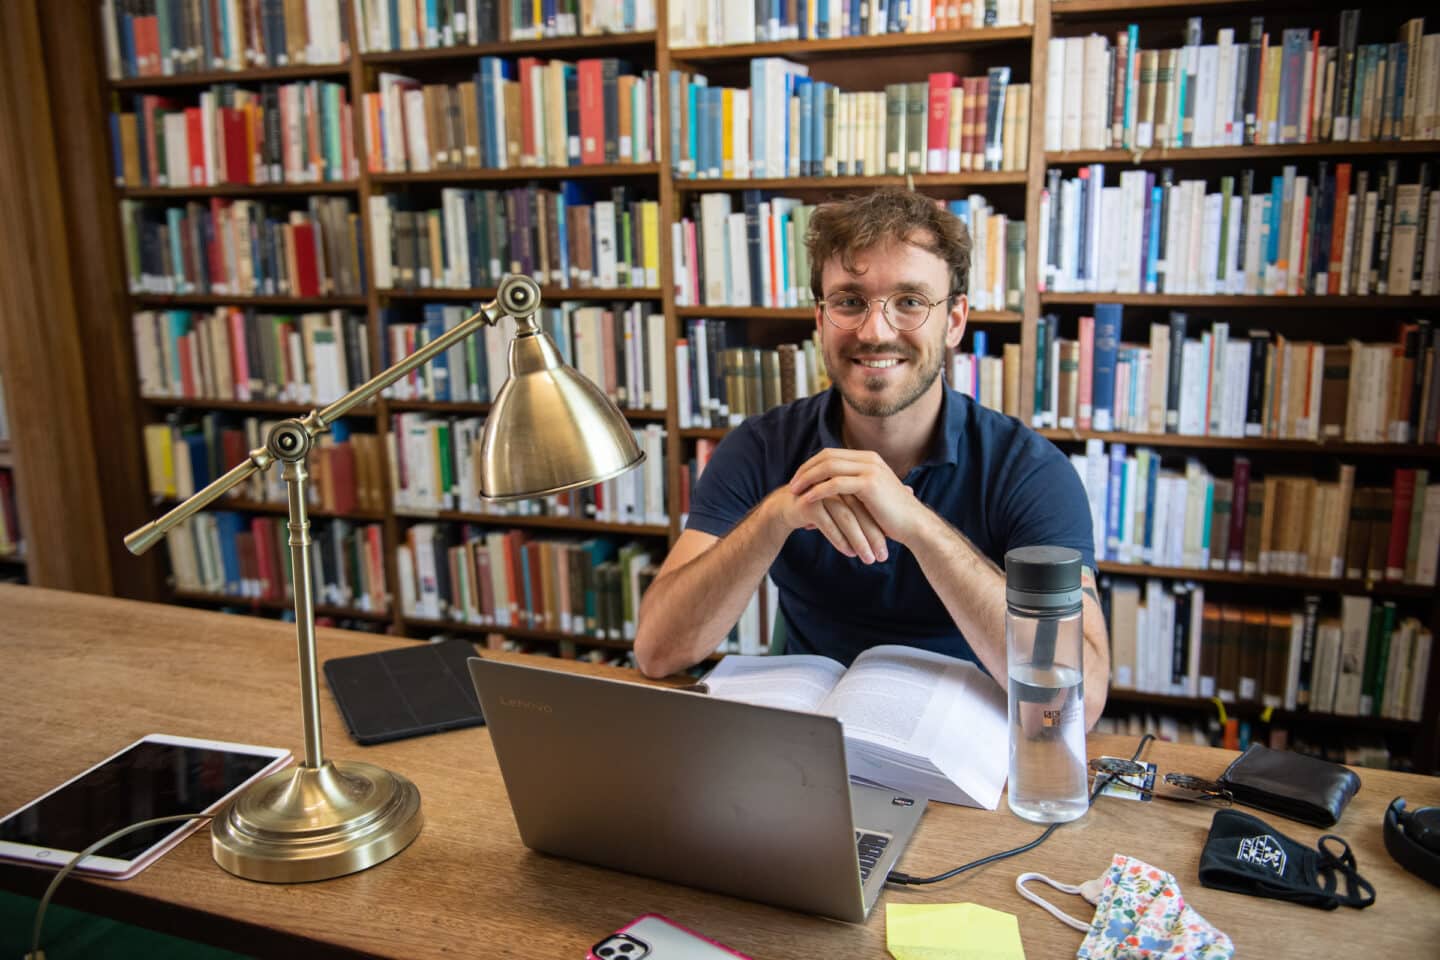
<point>1263,851</point>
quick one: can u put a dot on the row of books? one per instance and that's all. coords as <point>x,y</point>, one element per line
<point>1339,230</point>
<point>511,578</point>
<point>244,248</point>
<point>154,38</point>
<point>1168,639</point>
<point>384,25</point>
<point>756,256</point>
<point>11,543</point>
<point>787,125</point>
<point>525,113</point>
<point>620,348</point>
<point>184,455</point>
<point>235,354</point>
<point>570,237</point>
<point>226,553</point>
<point>1237,733</point>
<point>710,23</point>
<point>1227,385</point>
<point>282,133</point>
<point>1102,93</point>
<point>434,465</point>
<point>1144,512</point>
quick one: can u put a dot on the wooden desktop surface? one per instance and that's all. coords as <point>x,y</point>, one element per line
<point>85,675</point>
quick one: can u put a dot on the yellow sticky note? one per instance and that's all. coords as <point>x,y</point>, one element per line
<point>951,931</point>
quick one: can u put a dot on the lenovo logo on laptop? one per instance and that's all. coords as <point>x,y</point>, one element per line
<point>526,705</point>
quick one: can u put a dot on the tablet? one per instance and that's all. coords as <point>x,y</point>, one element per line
<point>155,776</point>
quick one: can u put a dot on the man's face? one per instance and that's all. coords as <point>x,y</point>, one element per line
<point>880,370</point>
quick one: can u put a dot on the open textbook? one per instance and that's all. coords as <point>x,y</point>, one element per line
<point>915,721</point>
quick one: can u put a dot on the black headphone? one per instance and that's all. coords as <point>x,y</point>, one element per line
<point>1413,839</point>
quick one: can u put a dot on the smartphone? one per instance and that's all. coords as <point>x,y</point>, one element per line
<point>156,776</point>
<point>653,937</point>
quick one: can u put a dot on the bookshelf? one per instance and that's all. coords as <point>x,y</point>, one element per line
<point>882,60</point>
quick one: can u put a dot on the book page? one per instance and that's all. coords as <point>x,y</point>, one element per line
<point>798,682</point>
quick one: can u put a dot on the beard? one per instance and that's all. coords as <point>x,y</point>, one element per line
<point>871,399</point>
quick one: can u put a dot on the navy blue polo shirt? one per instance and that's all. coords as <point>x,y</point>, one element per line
<point>997,482</point>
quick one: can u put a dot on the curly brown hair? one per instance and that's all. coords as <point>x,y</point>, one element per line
<point>847,227</point>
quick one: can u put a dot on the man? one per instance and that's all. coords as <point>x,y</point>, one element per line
<point>883,506</point>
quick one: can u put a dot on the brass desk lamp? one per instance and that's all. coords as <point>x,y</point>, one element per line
<point>549,430</point>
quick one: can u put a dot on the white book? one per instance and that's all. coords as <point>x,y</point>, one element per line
<point>1419,675</point>
<point>1222,123</point>
<point>1355,627</point>
<point>417,143</point>
<point>1219,342</point>
<point>1430,267</point>
<point>738,286</point>
<point>1054,95</point>
<point>1397,665</point>
<point>607,245</point>
<point>950,748</point>
<point>1325,667</point>
<point>1237,373</point>
<point>1094,109</point>
<point>683,400</point>
<point>1234,272</point>
<point>1072,102</point>
<point>655,377</point>
<point>1206,88</point>
<point>1113,206</point>
<point>1368,228</point>
<point>1425,564</point>
<point>1194,384</point>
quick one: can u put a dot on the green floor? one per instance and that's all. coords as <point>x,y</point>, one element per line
<point>70,935</point>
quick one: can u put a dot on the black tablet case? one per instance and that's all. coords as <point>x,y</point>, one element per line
<point>405,692</point>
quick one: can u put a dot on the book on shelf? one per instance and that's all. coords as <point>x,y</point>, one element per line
<point>1341,229</point>
<point>228,554</point>
<point>164,38</point>
<point>183,456</point>
<point>435,465</point>
<point>950,745</point>
<point>4,413</point>
<point>244,248</point>
<point>711,23</point>
<point>384,25</point>
<point>583,18</point>
<point>11,542</point>
<point>242,354</point>
<point>282,133</point>
<point>755,256</point>
<point>620,348</point>
<point>585,587</point>
<point>787,124</point>
<point>514,114</point>
<point>576,236</point>
<point>1220,384</point>
<point>1248,87</point>
<point>1168,639</point>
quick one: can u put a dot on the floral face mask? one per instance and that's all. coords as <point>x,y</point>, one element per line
<point>1140,914</point>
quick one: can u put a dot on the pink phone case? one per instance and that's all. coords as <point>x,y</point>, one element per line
<point>651,936</point>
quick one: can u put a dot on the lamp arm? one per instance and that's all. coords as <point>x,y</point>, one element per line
<point>517,296</point>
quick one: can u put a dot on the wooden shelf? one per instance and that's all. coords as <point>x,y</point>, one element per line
<point>1159,155</point>
<point>224,300</point>
<point>883,43</point>
<point>548,294</point>
<point>263,506</point>
<point>808,313</point>
<point>1330,448</point>
<point>602,45</point>
<point>919,180</point>
<point>317,71</point>
<point>246,406</point>
<point>1252,709</point>
<point>1379,588</point>
<point>456,406</point>
<point>570,524</point>
<point>492,175</point>
<point>238,190</point>
<point>1307,302</point>
<point>257,603</point>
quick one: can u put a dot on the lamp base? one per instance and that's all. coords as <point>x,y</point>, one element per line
<point>313,823</point>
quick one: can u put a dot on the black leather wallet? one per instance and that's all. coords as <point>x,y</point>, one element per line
<point>1293,785</point>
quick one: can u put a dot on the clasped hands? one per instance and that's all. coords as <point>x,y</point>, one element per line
<point>854,499</point>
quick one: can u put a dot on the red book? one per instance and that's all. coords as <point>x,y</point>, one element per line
<point>534,563</point>
<point>1312,116</point>
<point>195,143</point>
<point>484,582</point>
<point>232,447</point>
<point>1239,501</point>
<point>1337,233</point>
<point>592,112</point>
<point>980,129</point>
<point>237,152</point>
<point>249,568</point>
<point>514,543</point>
<point>306,282</point>
<point>342,473</point>
<point>265,574</point>
<point>939,132</point>
<point>375,582</point>
<point>239,356</point>
<point>529,90</point>
<point>1403,501</point>
<point>184,346</point>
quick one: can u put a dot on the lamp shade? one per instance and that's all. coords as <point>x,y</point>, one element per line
<point>550,429</point>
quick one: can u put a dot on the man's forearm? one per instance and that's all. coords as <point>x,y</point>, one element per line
<point>971,588</point>
<point>686,612</point>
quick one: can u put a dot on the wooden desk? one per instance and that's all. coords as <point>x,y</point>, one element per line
<point>85,675</point>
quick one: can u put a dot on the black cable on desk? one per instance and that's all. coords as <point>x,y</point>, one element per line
<point>904,879</point>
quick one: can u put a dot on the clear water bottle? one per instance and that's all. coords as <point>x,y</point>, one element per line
<point>1044,647</point>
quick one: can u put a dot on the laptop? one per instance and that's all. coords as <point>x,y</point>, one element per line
<point>730,797</point>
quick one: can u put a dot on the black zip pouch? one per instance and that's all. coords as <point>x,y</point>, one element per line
<point>1303,788</point>
<point>1244,854</point>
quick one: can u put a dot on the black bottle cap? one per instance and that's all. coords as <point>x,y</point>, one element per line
<point>1043,578</point>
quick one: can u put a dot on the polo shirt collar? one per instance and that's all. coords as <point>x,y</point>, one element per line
<point>943,447</point>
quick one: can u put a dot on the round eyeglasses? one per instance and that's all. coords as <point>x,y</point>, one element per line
<point>903,311</point>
